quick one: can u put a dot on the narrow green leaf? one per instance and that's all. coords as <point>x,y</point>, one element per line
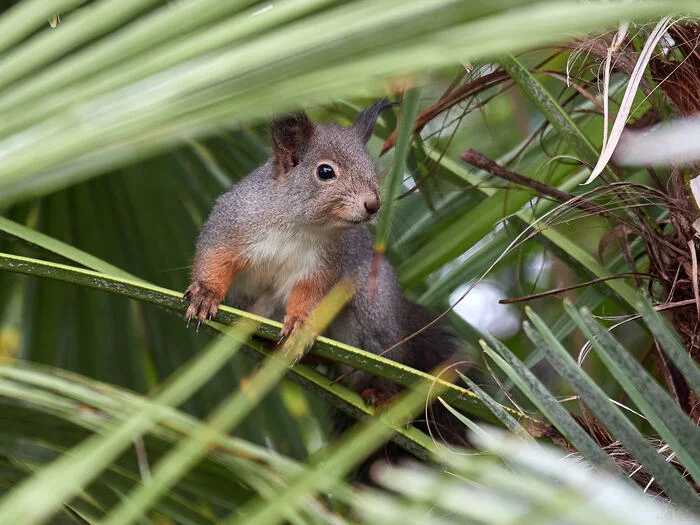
<point>88,73</point>
<point>51,244</point>
<point>504,417</point>
<point>171,300</point>
<point>89,23</point>
<point>559,119</point>
<point>41,495</point>
<point>668,339</point>
<point>392,183</point>
<point>471,425</point>
<point>617,424</point>
<point>432,254</point>
<point>32,454</point>
<point>459,236</point>
<point>351,403</point>
<point>468,268</point>
<point>355,446</point>
<point>546,403</point>
<point>475,224</point>
<point>66,395</point>
<point>590,298</point>
<point>25,17</point>
<point>179,461</point>
<point>542,470</point>
<point>664,414</point>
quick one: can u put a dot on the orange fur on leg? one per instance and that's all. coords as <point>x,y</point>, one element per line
<point>212,275</point>
<point>304,297</point>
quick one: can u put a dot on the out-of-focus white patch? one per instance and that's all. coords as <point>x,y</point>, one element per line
<point>480,308</point>
<point>537,268</point>
<point>672,141</point>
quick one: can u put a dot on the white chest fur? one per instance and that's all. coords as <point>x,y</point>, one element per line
<point>278,260</point>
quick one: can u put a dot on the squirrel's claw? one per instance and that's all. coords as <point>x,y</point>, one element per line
<point>203,304</point>
<point>296,335</point>
<point>290,325</point>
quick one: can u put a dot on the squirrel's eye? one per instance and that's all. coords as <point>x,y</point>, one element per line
<point>325,172</point>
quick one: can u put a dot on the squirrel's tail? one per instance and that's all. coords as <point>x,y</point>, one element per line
<point>434,350</point>
<point>428,350</point>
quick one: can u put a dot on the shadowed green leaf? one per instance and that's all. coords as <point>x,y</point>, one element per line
<point>616,423</point>
<point>69,474</point>
<point>171,300</point>
<point>546,403</point>
<point>392,182</point>
<point>504,417</point>
<point>664,414</point>
<point>668,340</point>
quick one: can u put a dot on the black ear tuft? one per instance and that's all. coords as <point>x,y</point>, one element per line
<point>365,121</point>
<point>290,137</point>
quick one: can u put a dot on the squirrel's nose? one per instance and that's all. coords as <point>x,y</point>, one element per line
<point>372,205</point>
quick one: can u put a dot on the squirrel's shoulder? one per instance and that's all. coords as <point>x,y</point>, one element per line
<point>244,208</point>
<point>252,196</point>
<point>257,182</point>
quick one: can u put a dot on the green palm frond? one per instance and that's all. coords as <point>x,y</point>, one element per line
<point>121,121</point>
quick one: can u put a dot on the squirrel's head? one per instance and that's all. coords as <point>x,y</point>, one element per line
<point>327,169</point>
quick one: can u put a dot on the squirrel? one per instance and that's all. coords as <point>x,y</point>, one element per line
<point>286,233</point>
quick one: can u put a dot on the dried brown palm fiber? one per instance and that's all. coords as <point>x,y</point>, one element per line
<point>623,60</point>
<point>617,452</point>
<point>622,457</point>
<point>449,100</point>
<point>637,472</point>
<point>454,95</point>
<point>673,263</point>
<point>664,250</point>
<point>678,77</point>
<point>678,74</point>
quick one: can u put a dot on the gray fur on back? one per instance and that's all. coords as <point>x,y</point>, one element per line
<point>376,324</point>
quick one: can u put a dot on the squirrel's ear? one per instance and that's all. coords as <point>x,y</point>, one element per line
<point>365,121</point>
<point>290,137</point>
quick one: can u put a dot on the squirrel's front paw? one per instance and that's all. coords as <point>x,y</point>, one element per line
<point>204,303</point>
<point>297,330</point>
<point>377,398</point>
<point>290,324</point>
